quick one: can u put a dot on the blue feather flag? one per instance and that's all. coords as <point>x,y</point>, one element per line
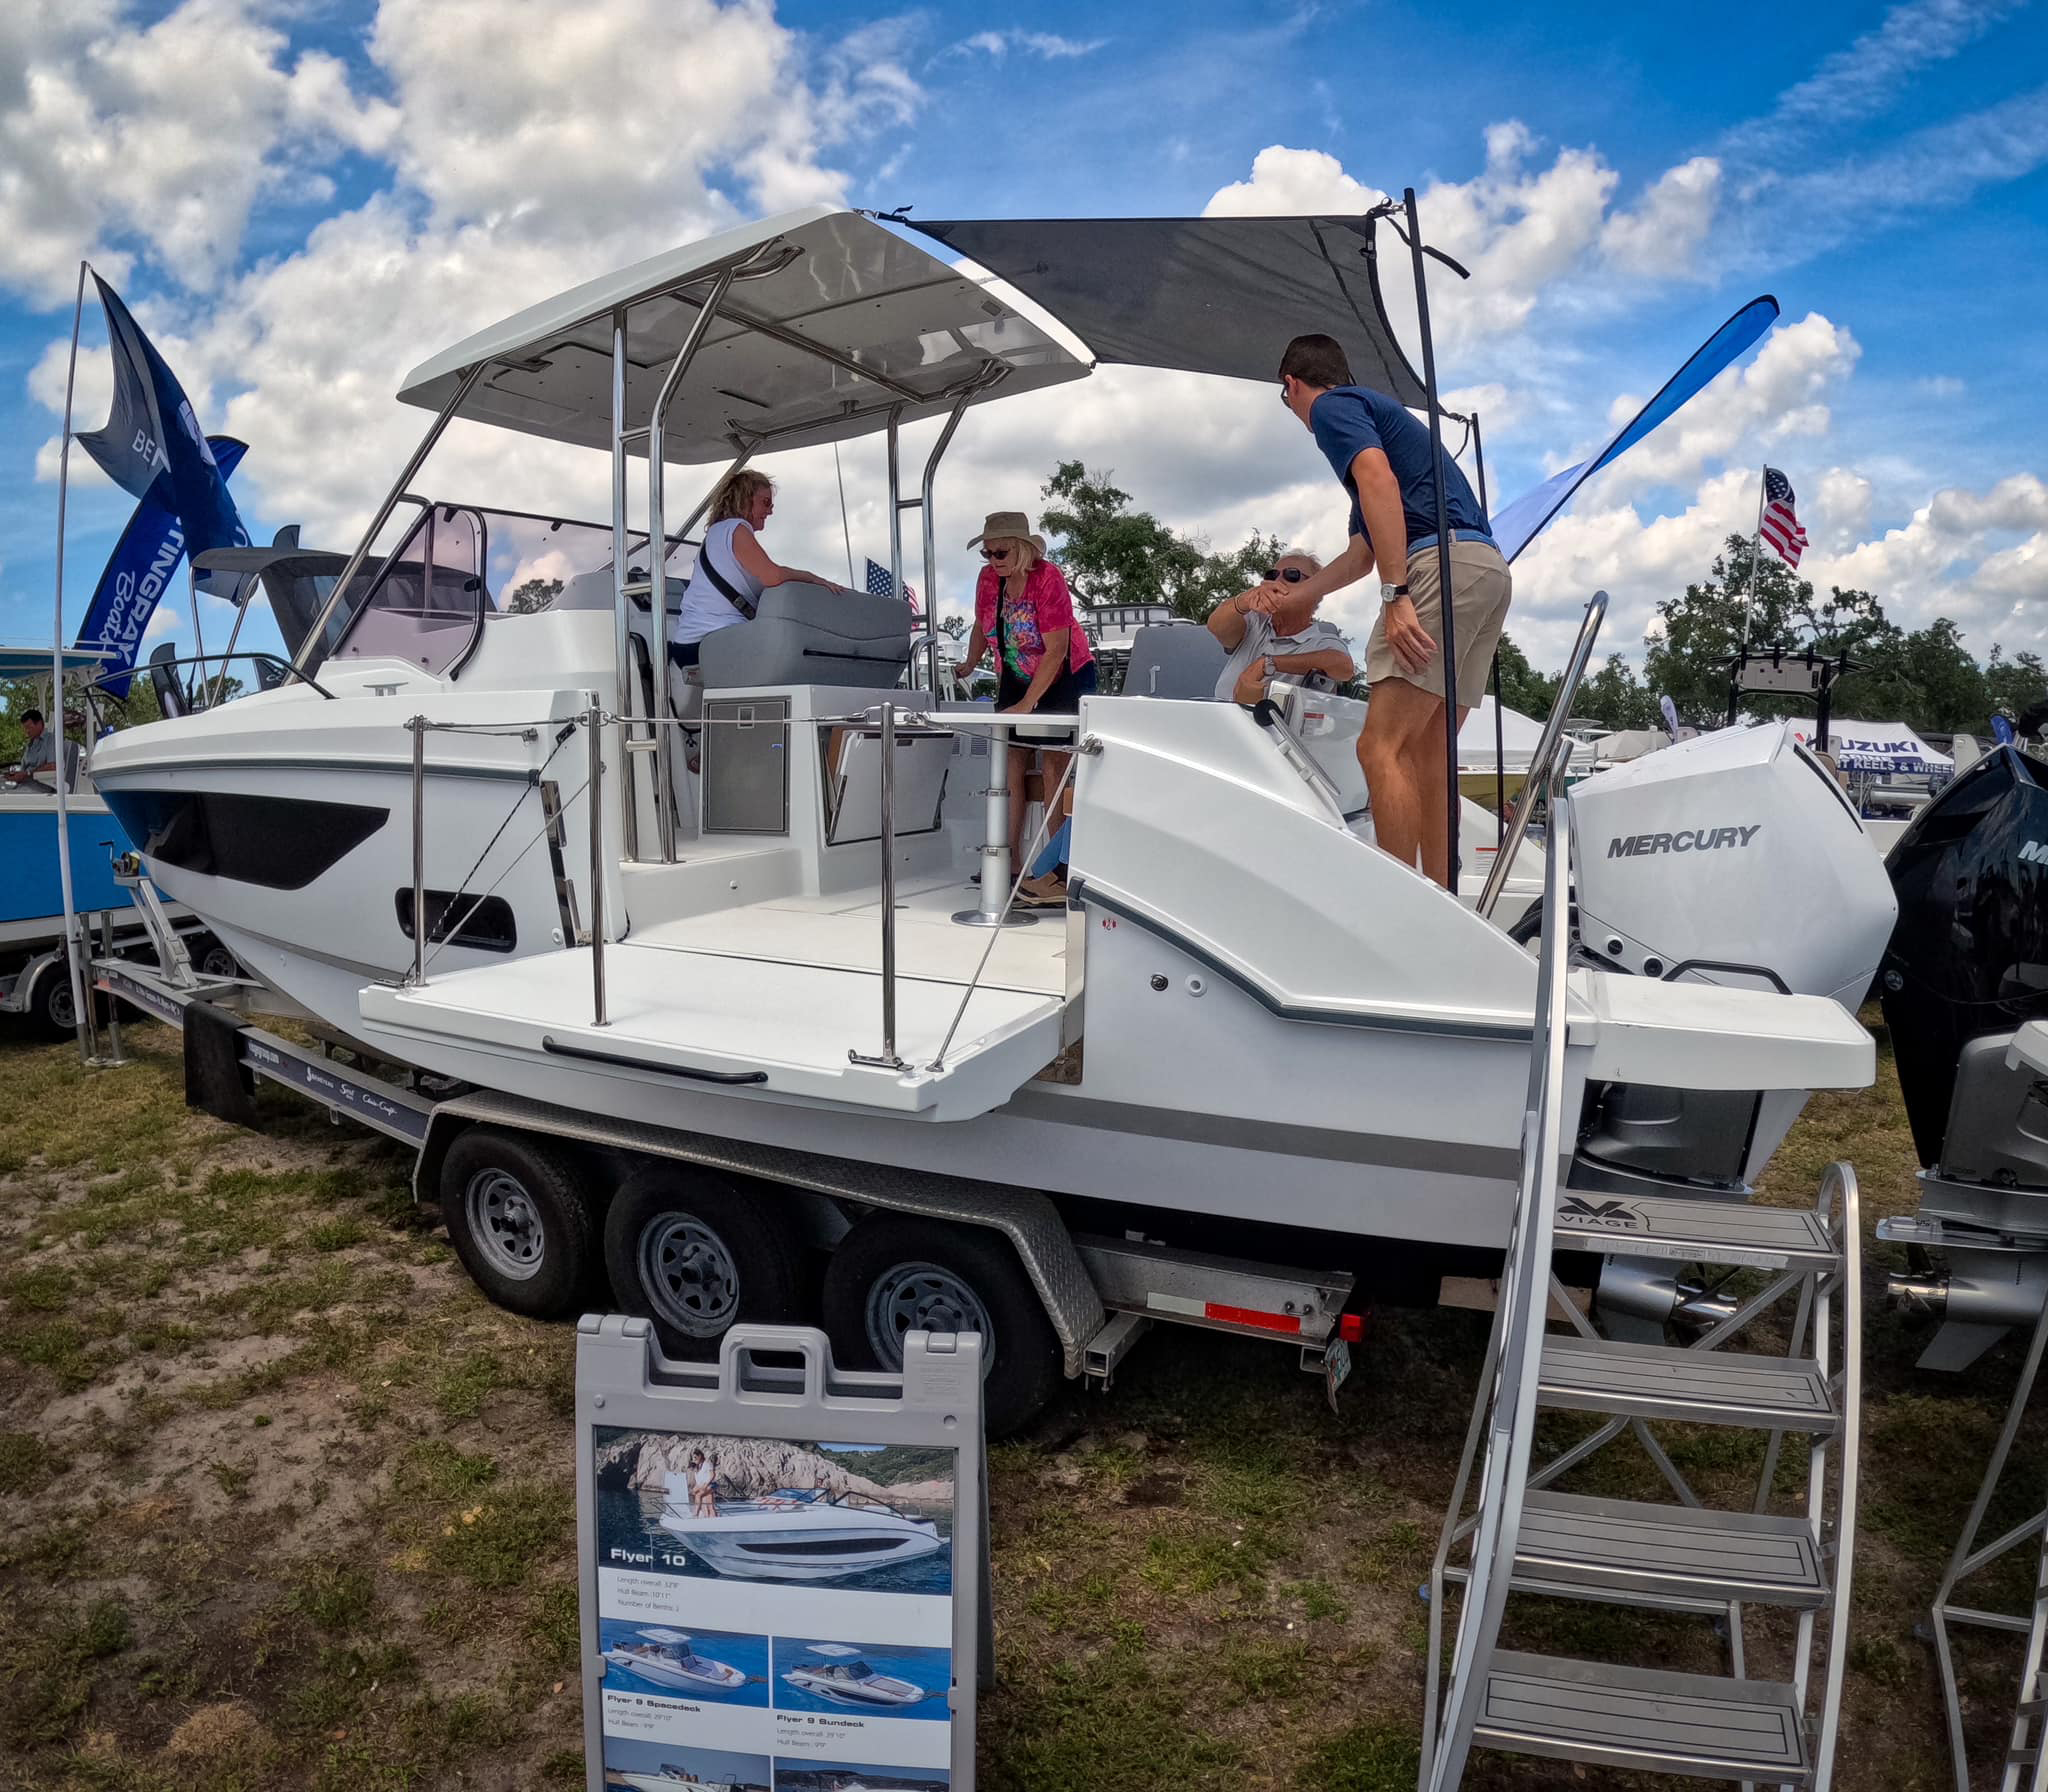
<point>1517,524</point>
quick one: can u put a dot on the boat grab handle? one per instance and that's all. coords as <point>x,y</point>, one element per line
<point>548,1043</point>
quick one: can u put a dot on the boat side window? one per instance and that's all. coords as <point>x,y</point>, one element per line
<point>428,603</point>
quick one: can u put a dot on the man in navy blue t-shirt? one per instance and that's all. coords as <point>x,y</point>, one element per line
<point>1382,457</point>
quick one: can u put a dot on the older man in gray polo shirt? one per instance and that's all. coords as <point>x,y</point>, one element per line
<point>1268,632</point>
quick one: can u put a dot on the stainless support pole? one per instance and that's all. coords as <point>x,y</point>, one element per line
<point>931,546</point>
<point>896,504</point>
<point>1447,618</point>
<point>73,951</point>
<point>418,725</point>
<point>118,1056</point>
<point>657,577</point>
<point>887,1058</point>
<point>594,721</point>
<point>995,849</point>
<point>310,645</point>
<point>622,635</point>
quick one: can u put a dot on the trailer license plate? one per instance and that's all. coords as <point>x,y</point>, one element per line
<point>1336,1369</point>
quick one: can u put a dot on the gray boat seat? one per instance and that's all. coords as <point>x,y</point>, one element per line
<point>805,634</point>
<point>1174,659</point>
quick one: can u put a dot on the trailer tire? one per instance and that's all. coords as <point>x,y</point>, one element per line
<point>519,1219</point>
<point>51,1009</point>
<point>895,1273</point>
<point>698,1255</point>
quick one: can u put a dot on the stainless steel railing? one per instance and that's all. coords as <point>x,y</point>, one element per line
<point>1547,747</point>
<point>891,719</point>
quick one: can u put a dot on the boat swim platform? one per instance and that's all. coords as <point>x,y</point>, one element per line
<point>772,999</point>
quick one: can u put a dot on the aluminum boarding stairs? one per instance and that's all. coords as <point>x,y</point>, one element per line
<point>1524,1538</point>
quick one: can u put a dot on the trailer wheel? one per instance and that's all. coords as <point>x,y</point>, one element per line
<point>519,1220</point>
<point>896,1273</point>
<point>52,1008</point>
<point>697,1255</point>
<point>213,960</point>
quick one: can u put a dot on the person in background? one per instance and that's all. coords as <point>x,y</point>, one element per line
<point>1024,614</point>
<point>1381,456</point>
<point>732,571</point>
<point>1269,632</point>
<point>38,752</point>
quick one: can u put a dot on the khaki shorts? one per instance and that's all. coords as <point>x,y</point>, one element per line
<point>1481,587</point>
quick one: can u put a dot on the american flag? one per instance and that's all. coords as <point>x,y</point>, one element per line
<point>880,584</point>
<point>1780,526</point>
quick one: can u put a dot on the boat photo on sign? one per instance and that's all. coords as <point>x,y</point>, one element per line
<point>891,1680</point>
<point>720,1665</point>
<point>662,1767</point>
<point>871,1517</point>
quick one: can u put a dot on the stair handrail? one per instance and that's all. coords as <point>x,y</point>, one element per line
<point>1839,1180</point>
<point>1548,744</point>
<point>1504,1411</point>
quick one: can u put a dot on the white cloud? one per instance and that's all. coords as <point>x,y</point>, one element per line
<point>1286,181</point>
<point>163,621</point>
<point>1662,233</point>
<point>1860,79</point>
<point>997,45</point>
<point>106,148</point>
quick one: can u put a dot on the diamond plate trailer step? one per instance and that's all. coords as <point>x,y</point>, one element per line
<point>1706,1387</point>
<point>1646,1719</point>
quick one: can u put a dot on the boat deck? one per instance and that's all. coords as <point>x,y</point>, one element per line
<point>774,998</point>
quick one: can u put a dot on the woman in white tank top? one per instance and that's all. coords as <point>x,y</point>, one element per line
<point>731,566</point>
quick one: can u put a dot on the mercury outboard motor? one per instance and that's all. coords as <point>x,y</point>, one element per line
<point>1967,966</point>
<point>1966,969</point>
<point>1733,858</point>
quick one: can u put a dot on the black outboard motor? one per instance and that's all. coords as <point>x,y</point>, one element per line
<point>1967,965</point>
<point>1966,969</point>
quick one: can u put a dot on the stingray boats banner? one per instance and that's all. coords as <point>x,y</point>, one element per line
<point>780,1612</point>
<point>139,571</point>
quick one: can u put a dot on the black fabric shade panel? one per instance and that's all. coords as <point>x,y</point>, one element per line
<point>1204,295</point>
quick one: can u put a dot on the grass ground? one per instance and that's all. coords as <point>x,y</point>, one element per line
<point>285,1503</point>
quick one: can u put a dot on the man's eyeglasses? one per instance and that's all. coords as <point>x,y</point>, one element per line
<point>1292,575</point>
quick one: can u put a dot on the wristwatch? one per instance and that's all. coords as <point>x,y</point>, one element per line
<point>1389,592</point>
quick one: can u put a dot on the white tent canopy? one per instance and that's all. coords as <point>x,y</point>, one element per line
<point>1877,747</point>
<point>1519,736</point>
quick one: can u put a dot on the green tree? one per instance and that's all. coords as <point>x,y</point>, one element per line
<point>1616,698</point>
<point>1114,554</point>
<point>531,595</point>
<point>1522,687</point>
<point>2012,684</point>
<point>1700,632</point>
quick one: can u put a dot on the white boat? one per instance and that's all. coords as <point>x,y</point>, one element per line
<point>845,1679</point>
<point>715,952</point>
<point>671,1778</point>
<point>797,1534</point>
<point>664,1657</point>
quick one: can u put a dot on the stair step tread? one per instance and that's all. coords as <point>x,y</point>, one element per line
<point>1695,1724</point>
<point>1706,1387</point>
<point>1666,1555</point>
<point>1688,1228</point>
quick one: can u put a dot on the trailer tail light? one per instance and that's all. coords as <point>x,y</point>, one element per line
<point>1351,1327</point>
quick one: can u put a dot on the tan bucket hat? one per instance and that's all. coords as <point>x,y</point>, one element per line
<point>1011,525</point>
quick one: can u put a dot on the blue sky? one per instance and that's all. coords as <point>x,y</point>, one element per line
<point>302,201</point>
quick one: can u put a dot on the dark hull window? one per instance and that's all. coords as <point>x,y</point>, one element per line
<point>483,922</point>
<point>827,1546</point>
<point>282,843</point>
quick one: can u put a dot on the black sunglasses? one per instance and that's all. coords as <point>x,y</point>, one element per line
<point>996,553</point>
<point>1292,575</point>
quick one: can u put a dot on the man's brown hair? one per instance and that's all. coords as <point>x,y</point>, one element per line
<point>1316,361</point>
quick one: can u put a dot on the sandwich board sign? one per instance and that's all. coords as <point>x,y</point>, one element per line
<point>782,1564</point>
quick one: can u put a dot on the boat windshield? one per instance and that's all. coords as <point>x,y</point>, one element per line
<point>458,567</point>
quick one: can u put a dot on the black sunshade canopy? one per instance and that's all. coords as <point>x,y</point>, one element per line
<point>1204,295</point>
